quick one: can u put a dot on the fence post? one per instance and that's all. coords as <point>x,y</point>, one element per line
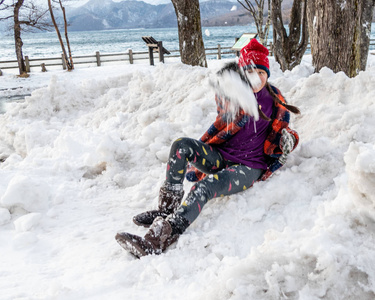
<point>161,53</point>
<point>237,52</point>
<point>98,62</point>
<point>218,51</point>
<point>131,56</point>
<point>63,62</point>
<point>27,64</point>
<point>43,66</point>
<point>151,55</point>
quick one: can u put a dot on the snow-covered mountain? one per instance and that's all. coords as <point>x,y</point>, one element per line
<point>107,14</point>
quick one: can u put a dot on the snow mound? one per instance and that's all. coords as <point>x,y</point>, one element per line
<point>81,157</point>
<point>26,193</point>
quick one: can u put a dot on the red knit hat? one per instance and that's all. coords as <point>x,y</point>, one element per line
<point>256,53</point>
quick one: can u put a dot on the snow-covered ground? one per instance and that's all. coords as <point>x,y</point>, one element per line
<point>87,151</point>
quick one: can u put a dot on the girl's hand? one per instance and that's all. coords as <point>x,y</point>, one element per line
<point>287,142</point>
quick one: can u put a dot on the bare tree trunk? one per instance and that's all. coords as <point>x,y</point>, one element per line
<point>190,32</point>
<point>258,16</point>
<point>68,63</point>
<point>289,50</point>
<point>18,39</point>
<point>265,32</point>
<point>340,34</point>
<point>66,35</point>
<point>27,15</point>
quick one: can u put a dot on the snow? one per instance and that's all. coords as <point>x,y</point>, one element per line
<point>230,85</point>
<point>88,149</point>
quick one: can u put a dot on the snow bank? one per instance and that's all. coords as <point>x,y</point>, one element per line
<point>82,156</point>
<point>26,193</point>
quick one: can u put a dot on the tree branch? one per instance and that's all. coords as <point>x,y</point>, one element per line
<point>6,18</point>
<point>258,16</point>
<point>249,6</point>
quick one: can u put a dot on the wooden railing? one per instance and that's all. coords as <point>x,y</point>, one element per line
<point>130,57</point>
<point>99,59</point>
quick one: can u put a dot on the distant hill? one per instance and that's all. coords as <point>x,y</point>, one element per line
<point>106,14</point>
<point>241,16</point>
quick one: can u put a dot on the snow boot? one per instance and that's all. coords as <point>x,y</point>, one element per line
<point>169,200</point>
<point>156,240</point>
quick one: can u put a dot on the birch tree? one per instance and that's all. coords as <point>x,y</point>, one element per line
<point>66,55</point>
<point>257,12</point>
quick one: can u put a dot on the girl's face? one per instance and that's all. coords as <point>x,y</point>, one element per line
<point>263,78</point>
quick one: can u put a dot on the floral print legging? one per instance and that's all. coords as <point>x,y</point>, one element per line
<point>226,177</point>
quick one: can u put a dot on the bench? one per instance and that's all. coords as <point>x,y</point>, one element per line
<point>154,45</point>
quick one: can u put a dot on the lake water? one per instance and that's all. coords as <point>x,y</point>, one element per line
<point>46,44</point>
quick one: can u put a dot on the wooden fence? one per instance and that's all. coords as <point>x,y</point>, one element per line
<point>130,57</point>
<point>99,59</point>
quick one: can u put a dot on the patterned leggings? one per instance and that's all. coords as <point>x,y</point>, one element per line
<point>226,177</point>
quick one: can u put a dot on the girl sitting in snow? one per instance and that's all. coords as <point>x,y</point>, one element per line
<point>235,152</point>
